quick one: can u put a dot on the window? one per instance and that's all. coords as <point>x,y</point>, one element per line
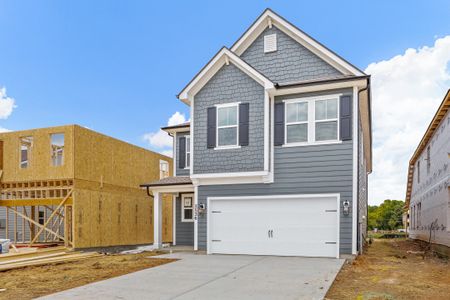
<point>326,119</point>
<point>41,217</point>
<point>428,160</point>
<point>227,125</point>
<point>313,120</point>
<point>26,145</point>
<point>419,214</point>
<point>2,223</point>
<point>163,169</point>
<point>297,122</point>
<point>188,152</point>
<point>418,171</point>
<point>57,149</point>
<point>187,205</point>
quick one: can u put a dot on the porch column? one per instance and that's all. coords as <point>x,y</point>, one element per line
<point>157,220</point>
<point>195,218</point>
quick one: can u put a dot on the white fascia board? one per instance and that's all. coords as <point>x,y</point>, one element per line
<point>223,57</point>
<point>320,87</point>
<point>263,22</point>
<point>230,174</point>
<point>170,189</point>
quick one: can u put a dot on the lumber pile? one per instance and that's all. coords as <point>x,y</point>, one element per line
<point>38,257</point>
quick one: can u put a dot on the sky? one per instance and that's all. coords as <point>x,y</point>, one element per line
<point>116,66</point>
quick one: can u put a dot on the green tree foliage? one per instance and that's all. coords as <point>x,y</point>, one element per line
<point>387,216</point>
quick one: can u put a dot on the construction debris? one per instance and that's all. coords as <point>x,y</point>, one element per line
<point>35,257</point>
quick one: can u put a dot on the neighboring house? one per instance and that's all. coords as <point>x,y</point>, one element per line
<point>82,185</point>
<point>428,194</point>
<point>275,158</point>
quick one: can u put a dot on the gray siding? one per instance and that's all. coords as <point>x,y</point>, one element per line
<point>184,230</point>
<point>298,170</point>
<point>229,85</point>
<point>291,62</point>
<point>180,172</point>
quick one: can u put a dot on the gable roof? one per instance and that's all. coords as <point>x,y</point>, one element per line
<point>224,56</point>
<point>439,115</point>
<point>269,18</point>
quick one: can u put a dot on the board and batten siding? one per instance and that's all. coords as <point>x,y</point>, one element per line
<point>229,85</point>
<point>291,62</point>
<point>180,171</point>
<point>185,230</point>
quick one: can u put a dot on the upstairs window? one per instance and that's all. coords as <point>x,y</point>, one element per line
<point>418,171</point>
<point>428,160</point>
<point>188,152</point>
<point>297,122</point>
<point>227,125</point>
<point>26,146</point>
<point>311,120</point>
<point>57,149</point>
<point>163,169</point>
<point>326,126</point>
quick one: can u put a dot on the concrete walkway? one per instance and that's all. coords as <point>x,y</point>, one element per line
<point>218,277</point>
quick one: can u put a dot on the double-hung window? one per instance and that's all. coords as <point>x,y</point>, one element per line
<point>187,205</point>
<point>312,120</point>
<point>227,125</point>
<point>188,152</point>
<point>163,169</point>
<point>326,120</point>
<point>297,122</point>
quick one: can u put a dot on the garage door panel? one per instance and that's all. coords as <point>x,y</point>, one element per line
<point>299,226</point>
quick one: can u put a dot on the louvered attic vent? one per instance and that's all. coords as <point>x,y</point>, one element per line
<point>270,43</point>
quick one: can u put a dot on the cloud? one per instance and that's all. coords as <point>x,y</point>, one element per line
<point>406,90</point>
<point>159,140</point>
<point>7,104</point>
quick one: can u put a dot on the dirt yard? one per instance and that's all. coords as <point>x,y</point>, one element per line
<point>31,282</point>
<point>393,269</point>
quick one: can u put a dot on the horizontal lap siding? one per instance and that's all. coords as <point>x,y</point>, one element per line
<point>184,230</point>
<point>298,170</point>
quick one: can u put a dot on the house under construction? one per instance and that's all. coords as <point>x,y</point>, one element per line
<point>71,185</point>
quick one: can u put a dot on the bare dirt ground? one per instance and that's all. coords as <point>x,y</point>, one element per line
<point>31,282</point>
<point>393,269</point>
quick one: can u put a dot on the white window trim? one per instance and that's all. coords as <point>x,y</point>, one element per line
<point>186,154</point>
<point>312,120</point>
<point>218,106</point>
<point>182,208</point>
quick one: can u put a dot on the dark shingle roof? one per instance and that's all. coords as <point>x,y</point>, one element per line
<point>177,180</point>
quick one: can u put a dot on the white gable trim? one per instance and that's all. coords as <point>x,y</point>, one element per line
<point>223,57</point>
<point>269,18</point>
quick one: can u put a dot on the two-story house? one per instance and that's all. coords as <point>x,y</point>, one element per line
<point>275,158</point>
<point>428,194</point>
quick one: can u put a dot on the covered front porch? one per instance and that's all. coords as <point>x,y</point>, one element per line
<point>185,211</point>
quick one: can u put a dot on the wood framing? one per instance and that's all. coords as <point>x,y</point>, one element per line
<point>85,195</point>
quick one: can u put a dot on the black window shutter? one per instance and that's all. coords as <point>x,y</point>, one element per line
<point>243,124</point>
<point>211,130</point>
<point>279,124</point>
<point>182,153</point>
<point>346,118</point>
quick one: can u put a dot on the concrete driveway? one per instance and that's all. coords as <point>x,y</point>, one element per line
<point>197,276</point>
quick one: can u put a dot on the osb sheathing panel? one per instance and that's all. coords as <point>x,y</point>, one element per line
<point>102,158</point>
<point>40,167</point>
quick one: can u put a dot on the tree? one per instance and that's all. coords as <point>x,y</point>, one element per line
<point>387,216</point>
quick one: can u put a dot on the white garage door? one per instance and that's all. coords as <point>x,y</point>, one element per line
<point>275,225</point>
